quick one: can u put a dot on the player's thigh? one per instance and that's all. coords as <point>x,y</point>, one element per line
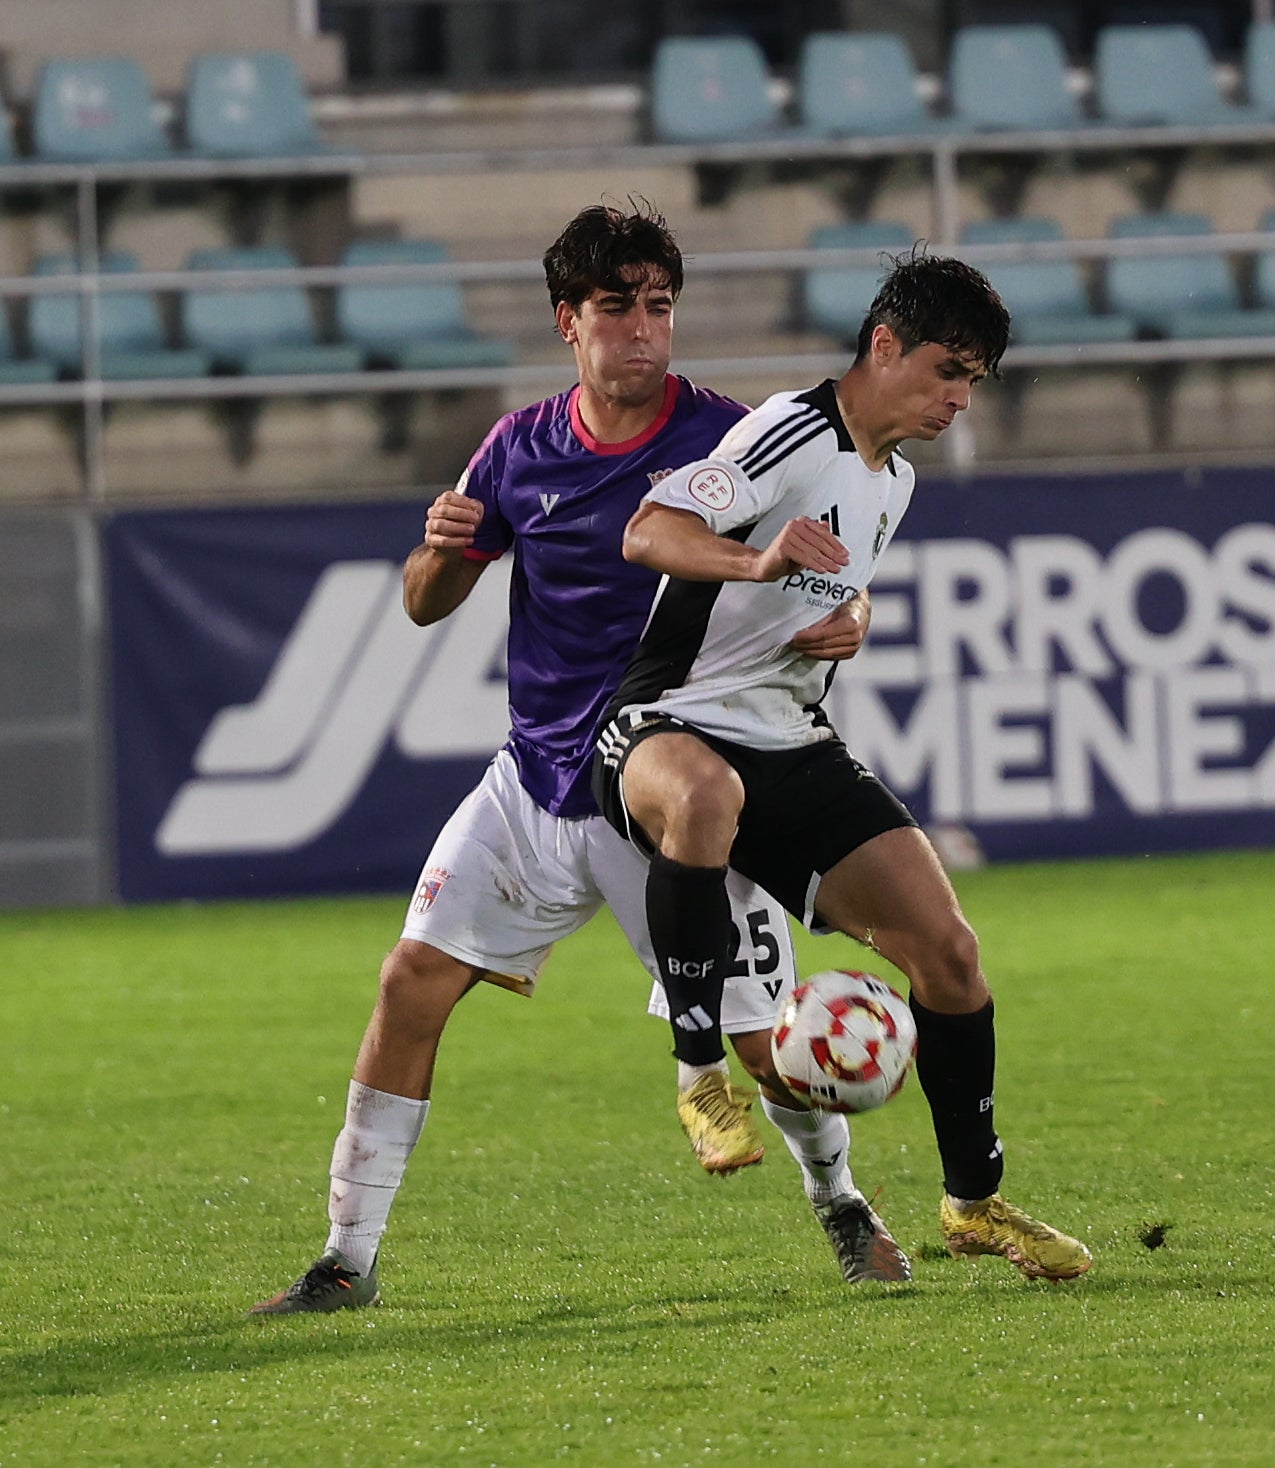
<point>763,966</point>
<point>504,881</point>
<point>893,894</point>
<point>806,810</point>
<point>674,781</point>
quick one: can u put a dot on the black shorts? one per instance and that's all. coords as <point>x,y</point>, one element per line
<point>804,808</point>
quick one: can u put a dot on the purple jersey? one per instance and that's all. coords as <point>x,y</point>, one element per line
<point>561,499</point>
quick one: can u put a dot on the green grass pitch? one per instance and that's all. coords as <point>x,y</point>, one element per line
<point>562,1283</point>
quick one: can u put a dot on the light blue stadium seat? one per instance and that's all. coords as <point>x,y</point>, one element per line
<point>414,325</point>
<point>1010,77</point>
<point>265,329</point>
<point>1184,296</point>
<point>131,334</point>
<point>95,110</point>
<point>248,105</point>
<point>1259,68</point>
<point>1158,75</point>
<point>1047,298</point>
<point>18,371</point>
<point>859,84</point>
<point>708,89</point>
<point>836,298</point>
<point>1264,267</point>
<point>8,153</point>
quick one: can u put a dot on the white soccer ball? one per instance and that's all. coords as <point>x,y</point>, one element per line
<point>844,1041</point>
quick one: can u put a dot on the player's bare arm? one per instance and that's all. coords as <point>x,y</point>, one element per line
<point>678,543</point>
<point>839,635</point>
<point>437,576</point>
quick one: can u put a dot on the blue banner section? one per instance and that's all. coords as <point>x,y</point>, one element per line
<point>1056,666</point>
<point>265,679</point>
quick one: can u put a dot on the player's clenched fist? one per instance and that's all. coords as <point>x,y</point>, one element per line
<point>450,522</point>
<point>805,544</point>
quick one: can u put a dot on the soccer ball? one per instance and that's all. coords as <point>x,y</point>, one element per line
<point>844,1041</point>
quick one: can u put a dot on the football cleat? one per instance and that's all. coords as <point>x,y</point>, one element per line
<point>861,1242</point>
<point>714,1115</point>
<point>993,1226</point>
<point>330,1283</point>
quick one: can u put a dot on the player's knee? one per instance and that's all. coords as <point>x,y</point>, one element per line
<point>950,972</point>
<point>419,984</point>
<point>704,806</point>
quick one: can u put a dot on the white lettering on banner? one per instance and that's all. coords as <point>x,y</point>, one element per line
<point>1018,760</point>
<point>1010,684</point>
<point>1006,743</point>
<point>274,775</point>
<point>1053,603</point>
<point>1088,737</point>
<point>1064,618</point>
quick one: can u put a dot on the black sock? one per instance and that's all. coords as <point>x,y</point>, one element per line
<point>688,913</point>
<point>956,1065</point>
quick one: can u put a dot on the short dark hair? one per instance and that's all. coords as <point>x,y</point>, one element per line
<point>603,242</point>
<point>936,298</point>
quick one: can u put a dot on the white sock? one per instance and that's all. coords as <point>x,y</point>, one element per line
<point>687,1075</point>
<point>368,1160</point>
<point>820,1141</point>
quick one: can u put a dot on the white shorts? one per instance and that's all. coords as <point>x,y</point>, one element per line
<point>506,880</point>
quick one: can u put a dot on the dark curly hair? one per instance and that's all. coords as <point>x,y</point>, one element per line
<point>603,242</point>
<point>936,298</point>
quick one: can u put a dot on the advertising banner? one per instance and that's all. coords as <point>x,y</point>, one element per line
<point>1056,666</point>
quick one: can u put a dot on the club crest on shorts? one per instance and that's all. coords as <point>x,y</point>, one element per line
<point>430,885</point>
<point>712,487</point>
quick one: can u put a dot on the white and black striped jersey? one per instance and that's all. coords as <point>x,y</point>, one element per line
<point>718,655</point>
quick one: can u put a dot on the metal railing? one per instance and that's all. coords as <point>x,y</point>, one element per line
<point>91,392</point>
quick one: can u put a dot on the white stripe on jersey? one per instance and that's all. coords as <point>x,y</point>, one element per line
<point>719,656</point>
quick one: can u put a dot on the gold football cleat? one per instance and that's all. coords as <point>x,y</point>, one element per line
<point>993,1226</point>
<point>715,1116</point>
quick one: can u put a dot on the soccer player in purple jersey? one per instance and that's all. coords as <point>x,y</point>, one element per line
<point>527,859</point>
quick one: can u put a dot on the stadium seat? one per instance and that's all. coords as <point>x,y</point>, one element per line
<point>1158,75</point>
<point>1010,77</point>
<point>1264,267</point>
<point>18,371</point>
<point>131,335</point>
<point>248,105</point>
<point>836,298</point>
<point>860,84</point>
<point>1047,298</point>
<point>95,110</point>
<point>708,89</point>
<point>418,324</point>
<point>1259,68</point>
<point>264,330</point>
<point>1184,296</point>
<point>7,151</point>
<point>1062,16</point>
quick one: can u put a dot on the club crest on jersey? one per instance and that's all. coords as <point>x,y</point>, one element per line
<point>878,540</point>
<point>431,885</point>
<point>713,488</point>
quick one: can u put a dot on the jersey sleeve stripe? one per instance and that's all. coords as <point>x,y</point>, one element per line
<point>783,451</point>
<point>776,435</point>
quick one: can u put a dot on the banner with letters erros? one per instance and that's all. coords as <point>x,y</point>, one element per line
<point>1057,665</point>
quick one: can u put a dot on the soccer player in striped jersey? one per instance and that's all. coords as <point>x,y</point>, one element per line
<point>527,859</point>
<point>716,748</point>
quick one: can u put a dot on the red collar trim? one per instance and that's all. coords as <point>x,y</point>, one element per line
<point>672,386</point>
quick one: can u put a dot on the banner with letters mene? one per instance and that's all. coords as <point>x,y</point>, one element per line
<point>1057,665</point>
